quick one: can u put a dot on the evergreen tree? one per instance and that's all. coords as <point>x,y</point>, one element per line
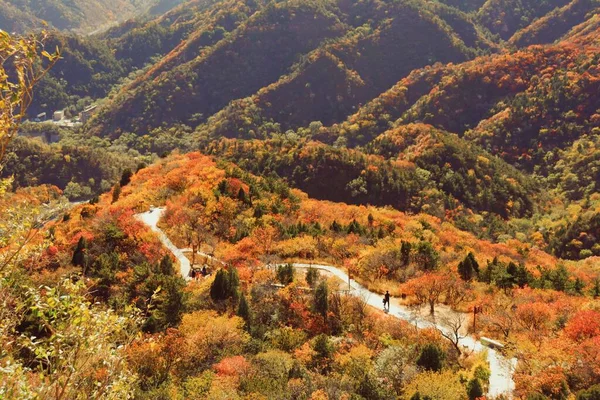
<point>591,393</point>
<point>512,271</point>
<point>125,177</point>
<point>322,346</point>
<point>578,286</point>
<point>219,289</point>
<point>116,193</point>
<point>431,358</point>
<point>354,227</point>
<point>523,277</point>
<point>321,299</point>
<point>243,310</point>
<point>242,196</point>
<point>369,388</point>
<point>233,280</point>
<point>468,268</point>
<point>426,256</point>
<point>336,227</point>
<point>596,289</point>
<point>173,301</point>
<point>474,389</point>
<point>560,278</point>
<point>312,277</point>
<point>166,266</point>
<point>285,274</point>
<point>405,249</point>
<point>79,253</point>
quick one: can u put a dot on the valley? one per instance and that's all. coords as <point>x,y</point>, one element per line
<point>315,154</point>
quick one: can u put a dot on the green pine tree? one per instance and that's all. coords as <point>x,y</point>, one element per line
<point>116,193</point>
<point>219,289</point>
<point>243,310</point>
<point>321,299</point>
<point>79,252</point>
<point>431,358</point>
<point>474,389</point>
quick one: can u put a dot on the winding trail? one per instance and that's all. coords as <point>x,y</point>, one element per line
<point>501,382</point>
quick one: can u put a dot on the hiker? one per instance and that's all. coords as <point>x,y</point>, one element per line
<point>386,300</point>
<point>204,271</point>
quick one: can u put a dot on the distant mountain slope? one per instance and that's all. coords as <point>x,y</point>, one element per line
<point>411,168</point>
<point>519,105</point>
<point>254,55</point>
<point>335,79</point>
<point>362,60</point>
<point>505,17</point>
<point>80,15</point>
<point>557,23</point>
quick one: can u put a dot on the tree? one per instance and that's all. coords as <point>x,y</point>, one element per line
<point>170,302</point>
<point>242,196</point>
<point>321,299</point>
<point>219,289</point>
<point>116,193</point>
<point>285,274</point>
<point>312,277</point>
<point>596,288</point>
<point>431,358</point>
<point>79,252</point>
<point>585,324</point>
<point>474,389</point>
<point>523,276</point>
<point>234,283</point>
<point>468,268</point>
<point>451,329</point>
<point>166,266</point>
<point>125,177</point>
<point>76,333</point>
<point>426,256</point>
<point>405,250</point>
<point>19,73</point>
<point>243,310</point>
<point>436,385</point>
<point>428,289</point>
<point>225,285</point>
<point>591,393</point>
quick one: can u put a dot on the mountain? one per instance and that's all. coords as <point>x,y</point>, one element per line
<point>304,34</point>
<point>79,15</point>
<point>259,174</point>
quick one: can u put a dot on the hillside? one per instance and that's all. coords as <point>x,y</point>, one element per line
<point>247,221</point>
<point>335,34</point>
<point>258,175</point>
<point>80,15</point>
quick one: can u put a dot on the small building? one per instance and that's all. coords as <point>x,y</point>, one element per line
<point>40,117</point>
<point>86,114</point>
<point>58,115</point>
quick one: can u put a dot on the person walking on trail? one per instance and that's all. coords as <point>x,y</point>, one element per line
<point>386,300</point>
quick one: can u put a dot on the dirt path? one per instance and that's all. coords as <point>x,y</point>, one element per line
<point>501,382</point>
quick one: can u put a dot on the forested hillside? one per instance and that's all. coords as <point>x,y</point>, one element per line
<point>255,175</point>
<point>79,15</point>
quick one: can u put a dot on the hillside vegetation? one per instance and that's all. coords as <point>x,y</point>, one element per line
<point>446,152</point>
<point>79,15</point>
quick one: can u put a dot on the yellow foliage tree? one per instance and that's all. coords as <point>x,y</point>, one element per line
<point>19,72</point>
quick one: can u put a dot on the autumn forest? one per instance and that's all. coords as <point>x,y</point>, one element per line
<point>300,199</point>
